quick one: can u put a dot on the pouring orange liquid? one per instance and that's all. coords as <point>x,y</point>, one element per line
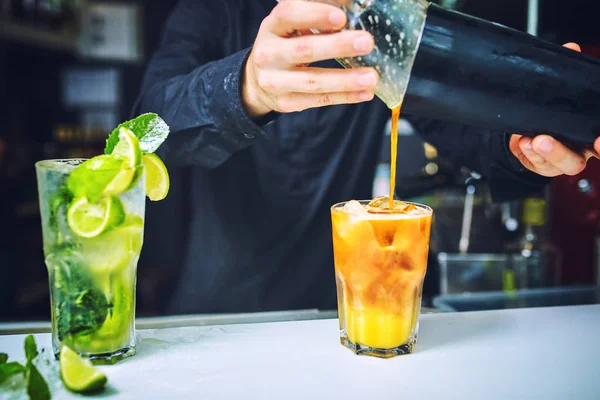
<point>380,250</point>
<point>394,154</point>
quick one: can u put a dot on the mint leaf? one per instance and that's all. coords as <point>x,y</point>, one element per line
<point>31,351</point>
<point>150,129</point>
<point>57,205</point>
<point>80,307</point>
<point>37,388</point>
<point>10,369</point>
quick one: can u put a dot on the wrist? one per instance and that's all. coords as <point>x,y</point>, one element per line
<point>251,98</point>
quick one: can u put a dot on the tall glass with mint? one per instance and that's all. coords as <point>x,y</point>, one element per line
<point>92,215</point>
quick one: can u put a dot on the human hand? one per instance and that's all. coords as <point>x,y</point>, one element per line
<point>277,76</point>
<point>547,156</point>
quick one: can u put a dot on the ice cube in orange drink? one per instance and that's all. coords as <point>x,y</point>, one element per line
<point>380,263</point>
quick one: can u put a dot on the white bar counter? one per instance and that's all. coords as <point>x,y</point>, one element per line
<point>534,353</point>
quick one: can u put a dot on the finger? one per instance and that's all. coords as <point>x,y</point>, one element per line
<point>318,80</point>
<point>301,101</point>
<point>537,163</point>
<point>557,154</point>
<point>294,15</point>
<point>597,147</point>
<point>513,144</point>
<point>515,148</point>
<point>590,153</point>
<point>313,48</point>
<point>572,46</point>
<point>517,152</point>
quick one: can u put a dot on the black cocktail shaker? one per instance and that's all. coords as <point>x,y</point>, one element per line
<point>447,65</point>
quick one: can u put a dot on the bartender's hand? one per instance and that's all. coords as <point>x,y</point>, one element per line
<point>277,76</point>
<point>547,156</point>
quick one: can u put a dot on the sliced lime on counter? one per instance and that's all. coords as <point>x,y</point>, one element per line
<point>157,177</point>
<point>78,373</point>
<point>91,219</point>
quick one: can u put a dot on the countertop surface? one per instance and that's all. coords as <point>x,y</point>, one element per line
<point>535,353</point>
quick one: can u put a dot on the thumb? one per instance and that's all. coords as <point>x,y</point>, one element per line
<point>572,46</point>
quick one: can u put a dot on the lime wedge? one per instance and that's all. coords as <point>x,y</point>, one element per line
<point>121,182</point>
<point>96,177</point>
<point>134,228</point>
<point>91,219</point>
<point>79,374</point>
<point>157,177</point>
<point>128,150</point>
<point>116,249</point>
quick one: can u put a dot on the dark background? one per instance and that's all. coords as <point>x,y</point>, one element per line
<point>31,114</point>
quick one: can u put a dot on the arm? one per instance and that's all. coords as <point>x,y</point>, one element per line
<point>485,152</point>
<point>217,104</point>
<point>515,166</point>
<point>196,90</point>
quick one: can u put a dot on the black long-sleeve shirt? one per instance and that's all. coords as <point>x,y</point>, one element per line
<point>261,191</point>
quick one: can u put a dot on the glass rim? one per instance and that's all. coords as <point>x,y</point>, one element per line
<point>337,207</point>
<point>47,164</point>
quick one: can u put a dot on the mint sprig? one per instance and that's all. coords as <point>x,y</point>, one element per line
<point>37,388</point>
<point>150,129</point>
<point>31,351</point>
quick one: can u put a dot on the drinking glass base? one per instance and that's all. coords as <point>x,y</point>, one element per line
<point>108,358</point>
<point>358,349</point>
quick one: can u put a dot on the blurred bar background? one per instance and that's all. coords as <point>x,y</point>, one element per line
<point>70,71</point>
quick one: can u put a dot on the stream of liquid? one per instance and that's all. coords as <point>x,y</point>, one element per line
<point>394,153</point>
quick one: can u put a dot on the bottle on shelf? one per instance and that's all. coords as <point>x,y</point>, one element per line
<point>533,261</point>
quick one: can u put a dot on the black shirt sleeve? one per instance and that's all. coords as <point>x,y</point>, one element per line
<point>485,152</point>
<point>197,90</point>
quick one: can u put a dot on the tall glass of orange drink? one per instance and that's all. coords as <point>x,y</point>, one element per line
<point>380,258</point>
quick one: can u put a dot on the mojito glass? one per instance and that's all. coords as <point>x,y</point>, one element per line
<point>380,263</point>
<point>91,249</point>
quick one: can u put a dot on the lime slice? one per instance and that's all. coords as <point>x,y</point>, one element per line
<point>139,171</point>
<point>96,177</point>
<point>115,250</point>
<point>79,374</point>
<point>91,219</point>
<point>128,150</point>
<point>134,228</point>
<point>157,177</point>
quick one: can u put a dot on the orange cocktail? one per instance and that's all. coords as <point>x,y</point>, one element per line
<point>380,262</point>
